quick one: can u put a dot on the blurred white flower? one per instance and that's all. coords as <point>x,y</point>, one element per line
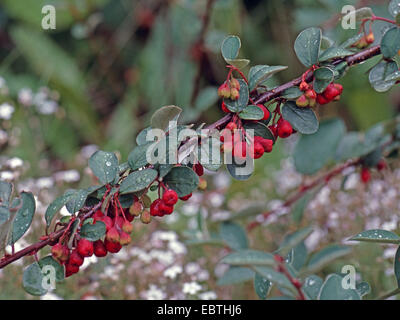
<point>50,296</point>
<point>173,272</point>
<point>177,247</point>
<point>191,288</point>
<point>154,293</point>
<point>47,107</point>
<point>14,163</point>
<point>67,176</point>
<point>45,183</point>
<point>209,295</point>
<point>6,111</point>
<point>192,268</point>
<point>6,175</point>
<point>25,97</point>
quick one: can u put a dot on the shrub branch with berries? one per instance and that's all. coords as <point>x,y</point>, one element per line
<point>101,216</point>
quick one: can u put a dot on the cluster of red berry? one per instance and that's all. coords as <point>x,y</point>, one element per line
<point>282,129</point>
<point>309,98</point>
<point>331,93</point>
<point>230,89</point>
<point>118,229</point>
<point>234,141</point>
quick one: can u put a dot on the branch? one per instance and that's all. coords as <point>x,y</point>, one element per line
<point>303,189</point>
<point>350,60</point>
<point>53,237</point>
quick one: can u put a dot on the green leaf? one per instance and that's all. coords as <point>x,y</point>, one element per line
<point>334,52</point>
<point>32,280</point>
<point>183,180</point>
<point>300,206</point>
<point>313,152</point>
<point>233,235</point>
<point>5,192</point>
<point>58,268</point>
<point>261,73</point>
<point>397,266</point>
<point>77,200</point>
<point>235,275</point>
<point>325,256</point>
<point>303,120</point>
<point>394,8</point>
<point>297,257</point>
<point>141,137</point>
<point>332,289</point>
<point>312,286</point>
<point>245,257</point>
<point>230,47</point>
<point>104,166</point>
<point>292,240</point>
<point>210,155</point>
<point>307,46</point>
<point>323,77</point>
<point>238,63</point>
<point>137,158</point>
<point>242,102</point>
<point>93,232</point>
<point>390,43</point>
<point>349,42</point>
<point>56,206</point>
<point>250,210</point>
<point>260,130</point>
<point>162,117</point>
<point>6,220</point>
<point>275,277</point>
<point>261,286</point>
<point>137,181</point>
<point>292,93</point>
<point>376,236</point>
<point>379,77</point>
<point>252,113</point>
<point>351,146</point>
<point>24,216</point>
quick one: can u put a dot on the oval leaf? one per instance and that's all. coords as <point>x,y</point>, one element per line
<point>137,181</point>
<point>32,280</point>
<point>251,113</point>
<point>377,236</point>
<point>303,120</point>
<point>249,257</point>
<point>93,232</point>
<point>390,43</point>
<point>24,216</point>
<point>104,166</point>
<point>307,46</point>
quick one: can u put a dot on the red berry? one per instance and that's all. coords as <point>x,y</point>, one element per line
<point>285,129</point>
<point>235,95</point>
<point>170,197</point>
<point>199,169</point>
<point>112,235</point>
<point>224,91</point>
<point>85,247</point>
<point>381,165</point>
<point>165,209</point>
<point>258,150</point>
<point>302,101</point>
<point>185,198</point>
<point>224,108</point>
<point>98,214</point>
<point>127,227</point>
<point>304,86</point>
<point>331,92</point>
<point>322,100</point>
<point>60,252</point>
<point>70,269</point>
<point>311,94</point>
<point>99,249</point>
<point>107,221</point>
<point>112,247</point>
<point>75,259</point>
<point>266,143</point>
<point>124,239</point>
<point>155,208</point>
<point>231,126</point>
<point>267,114</point>
<point>365,175</point>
